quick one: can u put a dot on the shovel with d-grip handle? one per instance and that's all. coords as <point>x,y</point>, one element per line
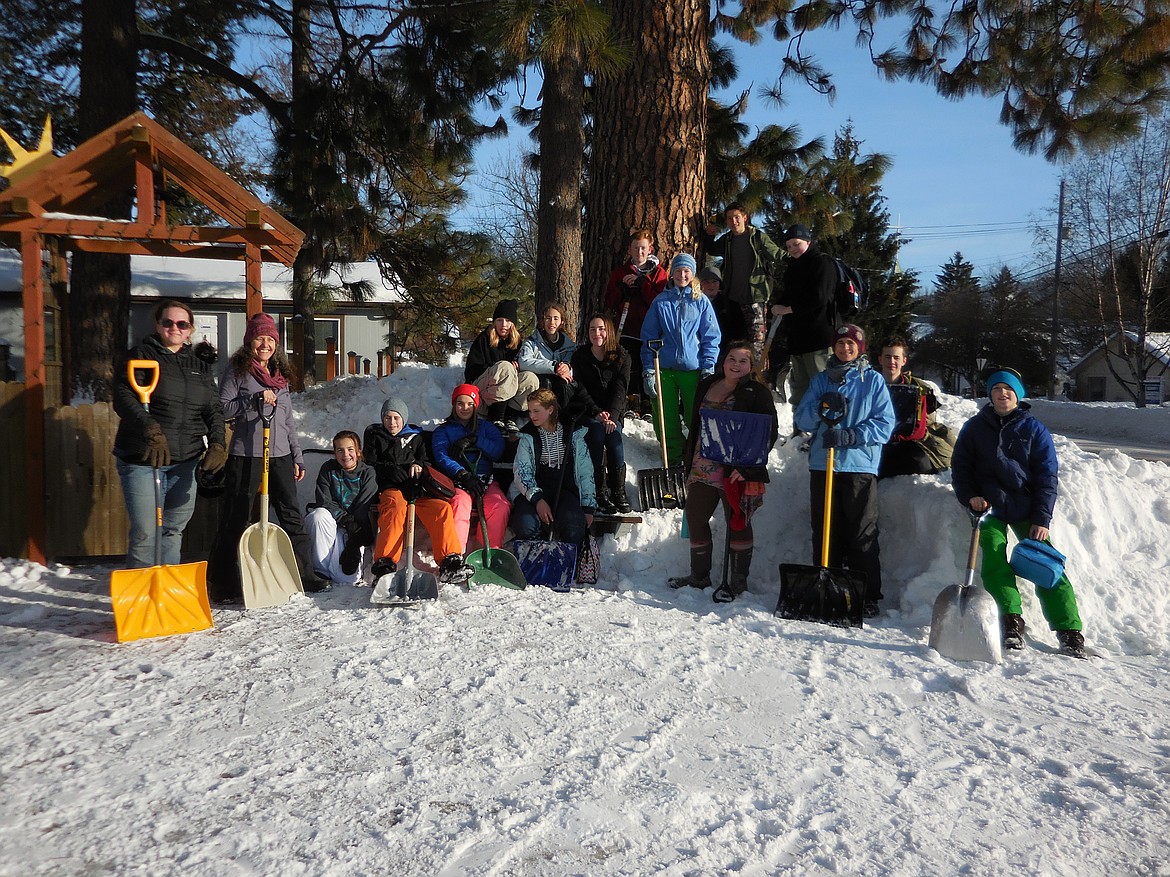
<point>663,488</point>
<point>159,600</point>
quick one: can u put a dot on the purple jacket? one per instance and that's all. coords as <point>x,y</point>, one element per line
<point>239,393</point>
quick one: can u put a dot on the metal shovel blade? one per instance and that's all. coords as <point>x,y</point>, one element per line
<point>268,567</point>
<point>817,593</point>
<point>406,587</point>
<point>965,625</point>
<point>160,600</point>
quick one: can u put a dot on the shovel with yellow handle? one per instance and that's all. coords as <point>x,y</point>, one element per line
<point>160,600</point>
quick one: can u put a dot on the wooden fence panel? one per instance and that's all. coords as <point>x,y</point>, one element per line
<point>13,486</point>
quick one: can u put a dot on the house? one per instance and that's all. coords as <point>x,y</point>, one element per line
<point>215,291</point>
<point>1094,382</point>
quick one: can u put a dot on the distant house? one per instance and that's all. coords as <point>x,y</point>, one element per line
<point>1094,382</point>
<point>214,289</point>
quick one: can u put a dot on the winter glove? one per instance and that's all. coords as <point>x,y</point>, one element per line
<point>214,458</point>
<point>651,386</point>
<point>470,482</point>
<point>840,438</point>
<point>344,520</point>
<point>458,446</point>
<point>158,452</point>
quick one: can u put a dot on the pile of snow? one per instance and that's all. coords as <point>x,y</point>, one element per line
<point>624,729</point>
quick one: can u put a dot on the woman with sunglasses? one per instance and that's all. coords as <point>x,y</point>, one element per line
<point>184,424</point>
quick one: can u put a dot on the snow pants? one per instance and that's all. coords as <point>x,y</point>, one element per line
<point>326,542</point>
<point>853,528</point>
<point>435,514</point>
<point>1058,604</point>
<point>678,400</point>
<point>496,509</point>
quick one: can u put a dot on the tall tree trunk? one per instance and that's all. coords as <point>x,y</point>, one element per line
<point>99,299</point>
<point>558,216</point>
<point>648,162</point>
<point>301,173</point>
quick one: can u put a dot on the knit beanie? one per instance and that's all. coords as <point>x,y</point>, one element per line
<point>851,331</point>
<point>710,273</point>
<point>507,308</point>
<point>466,390</point>
<point>260,324</point>
<point>683,260</point>
<point>1011,379</point>
<point>395,404</point>
<point>799,232</point>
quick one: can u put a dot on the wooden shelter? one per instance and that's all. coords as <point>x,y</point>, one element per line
<point>50,206</point>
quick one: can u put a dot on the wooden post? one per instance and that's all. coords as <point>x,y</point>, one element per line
<point>331,359</point>
<point>352,365</point>
<point>253,281</point>
<point>33,301</point>
<point>366,366</point>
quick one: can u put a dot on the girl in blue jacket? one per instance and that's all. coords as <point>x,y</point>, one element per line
<point>682,320</point>
<point>1004,459</point>
<point>858,440</point>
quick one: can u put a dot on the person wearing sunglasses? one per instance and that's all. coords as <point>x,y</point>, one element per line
<point>184,424</point>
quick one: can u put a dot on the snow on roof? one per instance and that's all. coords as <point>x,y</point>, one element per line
<point>190,278</point>
<point>1157,343</point>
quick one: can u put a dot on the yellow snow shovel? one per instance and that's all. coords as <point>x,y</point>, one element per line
<point>268,567</point>
<point>159,600</point>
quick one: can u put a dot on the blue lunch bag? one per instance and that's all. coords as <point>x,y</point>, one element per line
<point>1038,562</point>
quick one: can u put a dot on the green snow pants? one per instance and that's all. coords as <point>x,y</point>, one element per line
<point>678,396</point>
<point>1058,604</point>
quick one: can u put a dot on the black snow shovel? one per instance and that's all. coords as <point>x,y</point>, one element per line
<point>663,488</point>
<point>409,585</point>
<point>965,623</point>
<point>817,593</point>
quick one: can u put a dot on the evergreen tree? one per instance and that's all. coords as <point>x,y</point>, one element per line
<point>1015,331</point>
<point>959,332</point>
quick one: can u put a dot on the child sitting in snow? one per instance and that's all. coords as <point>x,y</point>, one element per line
<point>395,450</point>
<point>339,520</point>
<point>1005,459</point>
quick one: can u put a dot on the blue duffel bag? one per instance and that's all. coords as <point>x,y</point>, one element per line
<point>1038,562</point>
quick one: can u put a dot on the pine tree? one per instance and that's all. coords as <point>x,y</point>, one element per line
<point>958,336</point>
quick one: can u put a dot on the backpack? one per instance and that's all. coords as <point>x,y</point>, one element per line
<point>851,294</point>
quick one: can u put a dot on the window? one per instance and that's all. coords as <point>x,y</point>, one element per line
<point>1096,386</point>
<point>324,328</point>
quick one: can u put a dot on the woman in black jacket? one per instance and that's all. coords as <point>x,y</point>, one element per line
<point>601,370</point>
<point>169,438</point>
<point>739,487</point>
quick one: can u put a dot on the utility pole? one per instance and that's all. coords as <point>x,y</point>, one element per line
<point>1056,297</point>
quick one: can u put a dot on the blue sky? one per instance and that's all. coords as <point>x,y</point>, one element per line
<point>956,182</point>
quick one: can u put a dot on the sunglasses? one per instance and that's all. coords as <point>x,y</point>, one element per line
<point>182,325</point>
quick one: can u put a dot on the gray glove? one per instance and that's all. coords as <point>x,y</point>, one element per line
<point>648,381</point>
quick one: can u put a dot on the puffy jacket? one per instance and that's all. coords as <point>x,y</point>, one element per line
<point>601,384</point>
<point>810,284</point>
<point>686,323</point>
<point>764,255</point>
<point>541,357</point>
<point>185,404</point>
<point>580,466</point>
<point>1010,462</point>
<point>487,438</point>
<point>391,456</point>
<point>483,356</point>
<point>238,393</point>
<point>870,412</point>
<point>639,297</point>
<point>750,396</point>
<point>340,491</point>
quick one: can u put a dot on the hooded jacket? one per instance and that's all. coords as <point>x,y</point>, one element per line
<point>391,456</point>
<point>639,297</point>
<point>540,356</point>
<point>1010,462</point>
<point>686,323</point>
<point>487,438</point>
<point>238,393</point>
<point>810,282</point>
<point>764,251</point>
<point>869,411</point>
<point>578,477</point>
<point>185,404</point>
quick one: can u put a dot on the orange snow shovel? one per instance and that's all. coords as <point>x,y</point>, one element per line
<point>160,600</point>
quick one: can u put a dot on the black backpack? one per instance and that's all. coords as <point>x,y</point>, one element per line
<point>851,293</point>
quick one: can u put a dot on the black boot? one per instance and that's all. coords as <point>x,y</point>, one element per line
<point>1013,632</point>
<point>739,564</point>
<point>700,576</point>
<point>616,476</point>
<point>604,506</point>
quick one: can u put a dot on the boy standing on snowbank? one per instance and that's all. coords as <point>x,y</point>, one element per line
<point>1005,459</point>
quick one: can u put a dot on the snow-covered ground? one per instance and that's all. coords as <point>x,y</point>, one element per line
<point>625,729</point>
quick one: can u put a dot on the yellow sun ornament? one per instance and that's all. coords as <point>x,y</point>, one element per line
<point>24,161</point>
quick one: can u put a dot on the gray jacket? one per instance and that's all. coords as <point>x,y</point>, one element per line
<point>239,393</point>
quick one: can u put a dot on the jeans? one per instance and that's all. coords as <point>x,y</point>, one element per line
<point>598,441</point>
<point>177,493</point>
<point>568,519</point>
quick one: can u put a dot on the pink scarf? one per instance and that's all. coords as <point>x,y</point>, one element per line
<point>266,378</point>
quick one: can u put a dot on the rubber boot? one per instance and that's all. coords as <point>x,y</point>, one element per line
<point>604,505</point>
<point>700,576</point>
<point>616,476</point>
<point>738,565</point>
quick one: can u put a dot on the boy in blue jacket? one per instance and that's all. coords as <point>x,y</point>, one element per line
<point>682,320</point>
<point>1005,459</point>
<point>858,440</point>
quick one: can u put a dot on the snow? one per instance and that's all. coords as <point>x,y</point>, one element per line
<point>622,729</point>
